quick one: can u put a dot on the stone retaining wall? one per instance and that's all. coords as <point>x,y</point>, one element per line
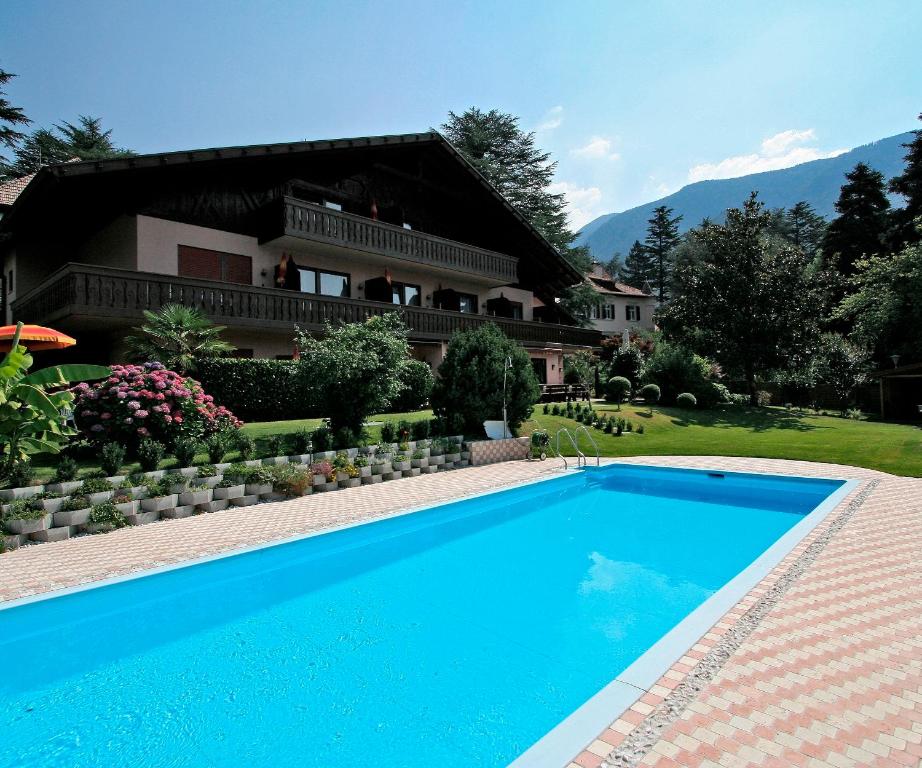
<point>492,451</point>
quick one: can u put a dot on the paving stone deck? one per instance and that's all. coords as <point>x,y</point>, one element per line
<point>820,665</point>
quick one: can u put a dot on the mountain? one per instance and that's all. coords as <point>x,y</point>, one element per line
<point>817,182</point>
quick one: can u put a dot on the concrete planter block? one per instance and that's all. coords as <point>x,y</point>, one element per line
<point>326,487</point>
<point>210,482</point>
<point>51,534</point>
<point>419,463</point>
<point>428,470</point>
<point>98,528</point>
<point>465,455</point>
<point>275,460</point>
<point>364,471</point>
<point>116,479</point>
<point>155,474</point>
<point>244,501</point>
<point>380,469</point>
<point>180,487</point>
<point>52,505</point>
<point>392,475</point>
<point>234,492</point>
<point>188,471</point>
<point>214,506</point>
<point>72,517</point>
<point>252,463</point>
<point>300,458</point>
<point>138,492</point>
<point>272,496</point>
<point>436,460</point>
<point>26,492</point>
<point>463,463</point>
<point>350,482</point>
<point>351,452</point>
<point>142,518</point>
<point>257,489</point>
<point>8,542</point>
<point>177,513</point>
<point>401,466</point>
<point>99,498</point>
<point>413,472</point>
<point>451,458</point>
<point>318,480</point>
<point>195,497</point>
<point>222,466</point>
<point>64,488</point>
<point>427,452</point>
<point>29,526</point>
<point>128,508</point>
<point>324,455</point>
<point>160,503</point>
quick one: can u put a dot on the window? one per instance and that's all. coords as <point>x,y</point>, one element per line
<point>323,283</point>
<point>206,264</point>
<point>608,311</point>
<point>515,308</point>
<point>467,302</point>
<point>406,294</point>
<point>633,313</point>
<point>595,312</point>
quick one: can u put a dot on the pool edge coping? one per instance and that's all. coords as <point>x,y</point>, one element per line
<point>581,727</point>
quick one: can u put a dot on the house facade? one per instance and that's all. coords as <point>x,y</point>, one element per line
<point>620,306</point>
<point>266,238</point>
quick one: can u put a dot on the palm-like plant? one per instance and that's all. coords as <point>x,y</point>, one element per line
<point>177,336</point>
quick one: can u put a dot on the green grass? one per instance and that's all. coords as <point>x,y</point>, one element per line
<point>773,433</point>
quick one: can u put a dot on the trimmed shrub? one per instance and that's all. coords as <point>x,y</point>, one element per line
<point>302,441</point>
<point>273,446</point>
<point>141,401</point>
<point>686,400</point>
<point>66,470</point>
<point>416,380</point>
<point>150,454</point>
<point>617,389</point>
<point>322,439</point>
<point>246,445</point>
<point>184,450</point>
<point>388,432</point>
<point>555,410</point>
<point>650,393</point>
<point>546,409</point>
<point>609,426</point>
<point>21,473</point>
<point>404,431</point>
<point>344,437</point>
<point>421,429</point>
<point>216,447</point>
<point>639,429</point>
<point>676,369</point>
<point>111,458</point>
<point>260,390</point>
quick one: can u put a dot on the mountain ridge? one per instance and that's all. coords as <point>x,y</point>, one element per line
<point>816,181</point>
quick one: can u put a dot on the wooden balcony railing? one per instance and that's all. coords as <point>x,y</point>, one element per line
<point>78,290</point>
<point>325,225</point>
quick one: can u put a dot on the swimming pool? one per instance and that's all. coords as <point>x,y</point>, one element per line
<point>458,635</point>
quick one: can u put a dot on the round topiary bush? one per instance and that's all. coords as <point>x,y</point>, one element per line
<point>650,393</point>
<point>686,400</point>
<point>617,388</point>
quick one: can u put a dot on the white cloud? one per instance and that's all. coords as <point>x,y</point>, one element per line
<point>551,120</point>
<point>583,203</point>
<point>597,148</point>
<point>779,151</point>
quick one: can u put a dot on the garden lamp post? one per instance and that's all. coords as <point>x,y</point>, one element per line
<point>507,365</point>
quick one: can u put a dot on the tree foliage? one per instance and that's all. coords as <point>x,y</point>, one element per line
<point>660,243</point>
<point>748,303</point>
<point>356,369</point>
<point>178,337</point>
<point>639,266</point>
<point>10,117</point>
<point>469,389</point>
<point>909,185</point>
<point>862,224</point>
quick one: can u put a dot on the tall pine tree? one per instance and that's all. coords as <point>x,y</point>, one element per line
<point>638,266</point>
<point>10,117</point>
<point>662,238</point>
<point>909,185</point>
<point>805,227</point>
<point>861,227</point>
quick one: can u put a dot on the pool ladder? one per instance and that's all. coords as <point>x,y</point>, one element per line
<point>573,437</point>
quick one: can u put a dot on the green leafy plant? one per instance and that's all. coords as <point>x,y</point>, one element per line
<point>617,389</point>
<point>24,509</point>
<point>107,516</point>
<point>639,430</point>
<point>418,455</point>
<point>184,450</point>
<point>260,476</point>
<point>322,439</point>
<point>650,394</point>
<point>416,380</point>
<point>361,461</point>
<point>421,429</point>
<point>95,485</point>
<point>74,503</point>
<point>66,470</point>
<point>345,437</point>
<point>246,445</point>
<point>303,442</point>
<point>207,470</point>
<point>150,454</point>
<point>111,458</point>
<point>216,447</point>
<point>273,446</point>
<point>259,389</point>
<point>31,405</point>
<point>686,400</point>
<point>177,336</point>
<point>388,432</point>
<point>21,474</point>
<point>159,488</point>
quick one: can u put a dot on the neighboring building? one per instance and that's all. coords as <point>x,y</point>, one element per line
<point>620,305</point>
<point>263,238</point>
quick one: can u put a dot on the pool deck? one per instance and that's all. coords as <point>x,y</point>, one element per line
<point>819,665</point>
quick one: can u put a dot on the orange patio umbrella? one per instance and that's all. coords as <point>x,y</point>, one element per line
<point>34,337</point>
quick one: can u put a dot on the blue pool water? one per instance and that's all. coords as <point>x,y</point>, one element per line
<point>455,636</point>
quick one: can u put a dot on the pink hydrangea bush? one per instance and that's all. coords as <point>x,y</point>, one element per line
<point>140,401</point>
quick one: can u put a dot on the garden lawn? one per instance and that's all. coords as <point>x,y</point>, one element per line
<point>773,433</point>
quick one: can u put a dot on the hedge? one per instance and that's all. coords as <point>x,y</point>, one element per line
<point>258,390</point>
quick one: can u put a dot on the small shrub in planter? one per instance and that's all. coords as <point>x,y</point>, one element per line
<point>94,485</point>
<point>686,400</point>
<point>198,493</point>
<point>184,450</point>
<point>237,473</point>
<point>66,470</point>
<point>26,516</point>
<point>291,481</point>
<point>21,473</point>
<point>150,454</point>
<point>418,459</point>
<point>111,458</point>
<point>160,496</point>
<point>273,446</point>
<point>246,445</point>
<point>322,439</point>
<point>74,511</point>
<point>302,441</point>
<point>105,517</point>
<point>259,481</point>
<point>207,470</point>
<point>617,388</point>
<point>388,432</point>
<point>229,489</point>
<point>174,482</point>
<point>421,429</point>
<point>216,447</point>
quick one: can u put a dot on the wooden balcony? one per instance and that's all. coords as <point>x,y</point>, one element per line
<point>104,297</point>
<point>306,221</point>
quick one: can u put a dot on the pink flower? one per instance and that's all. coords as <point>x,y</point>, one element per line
<point>142,414</point>
<point>143,431</point>
<point>133,405</point>
<point>106,416</point>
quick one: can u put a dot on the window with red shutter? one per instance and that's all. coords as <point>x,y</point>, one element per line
<point>206,264</point>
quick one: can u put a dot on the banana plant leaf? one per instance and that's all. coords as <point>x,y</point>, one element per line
<point>59,375</point>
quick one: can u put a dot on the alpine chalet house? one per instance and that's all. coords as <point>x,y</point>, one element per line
<point>264,238</point>
<point>620,306</point>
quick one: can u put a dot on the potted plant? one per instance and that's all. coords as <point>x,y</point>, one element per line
<point>98,489</point>
<point>361,464</point>
<point>424,447</point>
<point>24,516</point>
<point>105,517</point>
<point>452,450</point>
<point>175,482</point>
<point>348,476</point>
<point>418,460</point>
<point>125,503</point>
<point>74,511</point>
<point>401,463</point>
<point>198,493</point>
<point>381,465</point>
<point>294,482</point>
<point>208,475</point>
<point>160,496</point>
<point>229,488</point>
<point>51,501</point>
<point>259,482</point>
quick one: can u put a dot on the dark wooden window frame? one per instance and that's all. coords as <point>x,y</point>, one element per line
<point>223,260</point>
<point>473,300</point>
<point>401,287</point>
<point>317,272</point>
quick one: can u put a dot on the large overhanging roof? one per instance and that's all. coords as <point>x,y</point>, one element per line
<point>48,175</point>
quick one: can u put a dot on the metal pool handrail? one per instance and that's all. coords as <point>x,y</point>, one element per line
<point>579,453</point>
<point>582,428</point>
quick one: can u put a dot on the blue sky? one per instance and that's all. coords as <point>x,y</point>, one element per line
<point>634,99</point>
